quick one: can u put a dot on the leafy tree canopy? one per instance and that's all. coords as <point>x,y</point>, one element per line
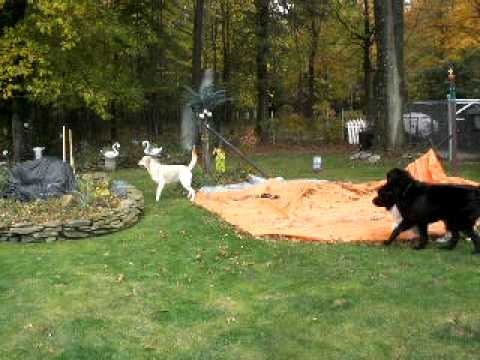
<point>77,53</point>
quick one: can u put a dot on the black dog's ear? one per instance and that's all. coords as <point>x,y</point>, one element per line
<point>385,197</point>
<point>395,173</point>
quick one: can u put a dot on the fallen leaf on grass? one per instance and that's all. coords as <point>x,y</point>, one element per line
<point>231,319</point>
<point>149,347</point>
<point>339,302</point>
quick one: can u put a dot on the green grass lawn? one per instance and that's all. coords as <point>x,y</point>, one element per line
<point>184,285</point>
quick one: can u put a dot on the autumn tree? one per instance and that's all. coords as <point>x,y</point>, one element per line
<point>12,13</point>
<point>357,18</point>
<point>439,33</point>
<point>57,56</point>
<point>311,17</point>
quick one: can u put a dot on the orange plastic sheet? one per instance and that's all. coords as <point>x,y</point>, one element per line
<point>330,212</point>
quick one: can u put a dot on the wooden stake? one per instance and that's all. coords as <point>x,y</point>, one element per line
<point>64,144</point>
<point>70,137</point>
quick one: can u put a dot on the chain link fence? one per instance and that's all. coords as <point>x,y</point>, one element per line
<point>426,125</point>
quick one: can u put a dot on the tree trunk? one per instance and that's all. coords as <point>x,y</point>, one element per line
<point>312,58</point>
<point>262,34</point>
<point>368,71</point>
<point>197,44</point>
<point>197,77</point>
<point>18,133</point>
<point>188,128</point>
<point>214,47</point>
<point>226,56</point>
<point>113,124</point>
<point>206,153</point>
<point>389,25</point>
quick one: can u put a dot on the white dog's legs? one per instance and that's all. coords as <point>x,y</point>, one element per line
<point>160,186</point>
<point>191,194</point>
<point>186,182</point>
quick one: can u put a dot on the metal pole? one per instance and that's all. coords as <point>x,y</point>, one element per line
<point>452,122</point>
<point>237,151</point>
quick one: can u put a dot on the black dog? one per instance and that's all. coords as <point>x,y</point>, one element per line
<point>386,198</point>
<point>420,204</point>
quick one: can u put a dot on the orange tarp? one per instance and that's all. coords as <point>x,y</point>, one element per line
<point>317,211</point>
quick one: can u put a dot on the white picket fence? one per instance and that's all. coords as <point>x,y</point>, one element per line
<point>354,128</point>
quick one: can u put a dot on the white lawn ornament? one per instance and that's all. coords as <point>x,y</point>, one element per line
<point>317,163</point>
<point>151,150</point>
<point>111,154</point>
<point>4,157</point>
<point>38,151</point>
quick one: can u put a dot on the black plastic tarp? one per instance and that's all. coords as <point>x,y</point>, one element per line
<point>40,179</point>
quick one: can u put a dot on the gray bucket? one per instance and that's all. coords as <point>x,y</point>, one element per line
<point>110,164</point>
<point>317,163</point>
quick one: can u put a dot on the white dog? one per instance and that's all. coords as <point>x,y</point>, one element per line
<point>165,174</point>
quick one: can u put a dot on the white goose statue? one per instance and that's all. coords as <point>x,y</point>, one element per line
<point>111,154</point>
<point>4,157</point>
<point>151,150</point>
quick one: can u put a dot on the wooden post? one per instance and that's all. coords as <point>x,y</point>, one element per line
<point>207,163</point>
<point>64,144</point>
<point>70,139</point>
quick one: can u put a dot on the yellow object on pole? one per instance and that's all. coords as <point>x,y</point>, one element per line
<point>220,158</point>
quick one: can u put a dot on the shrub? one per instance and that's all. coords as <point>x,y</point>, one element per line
<point>93,190</point>
<point>4,176</point>
<point>293,128</point>
<point>87,158</point>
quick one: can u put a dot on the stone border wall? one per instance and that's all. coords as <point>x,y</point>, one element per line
<point>127,214</point>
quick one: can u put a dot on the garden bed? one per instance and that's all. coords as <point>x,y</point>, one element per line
<point>94,210</point>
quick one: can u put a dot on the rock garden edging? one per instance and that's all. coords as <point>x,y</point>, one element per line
<point>127,214</point>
